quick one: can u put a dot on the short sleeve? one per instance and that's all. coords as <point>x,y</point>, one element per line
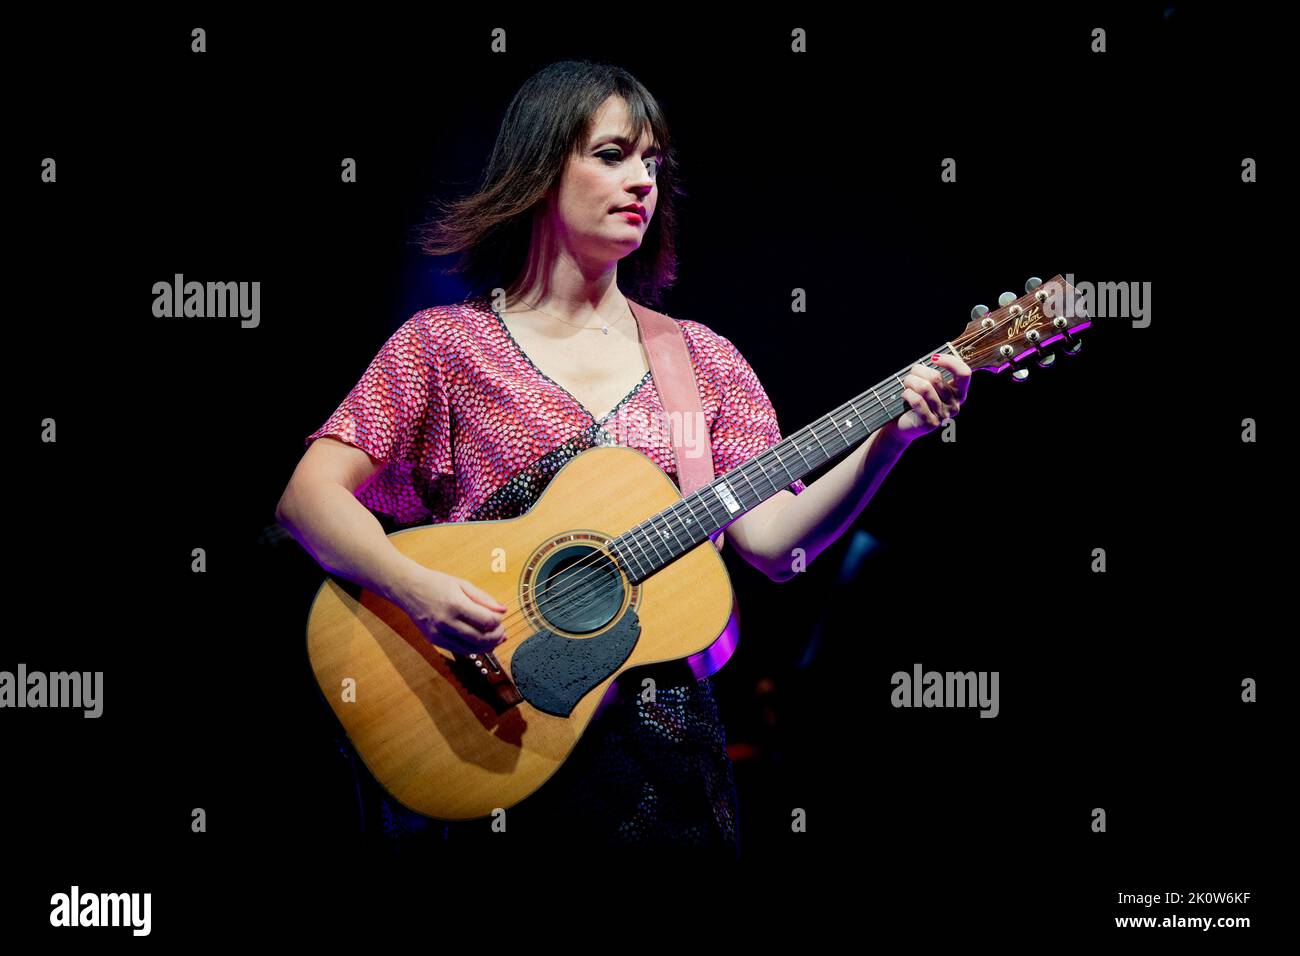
<point>398,414</point>
<point>746,424</point>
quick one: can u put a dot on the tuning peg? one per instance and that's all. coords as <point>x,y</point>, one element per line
<point>1048,360</point>
<point>979,312</point>
<point>1073,347</point>
<point>1006,298</point>
<point>1020,374</point>
<point>1032,283</point>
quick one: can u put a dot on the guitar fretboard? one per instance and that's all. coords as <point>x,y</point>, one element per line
<point>673,532</point>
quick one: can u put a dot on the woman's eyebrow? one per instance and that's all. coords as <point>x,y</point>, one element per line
<point>625,143</point>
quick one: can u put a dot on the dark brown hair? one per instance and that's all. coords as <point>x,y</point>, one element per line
<point>547,121</point>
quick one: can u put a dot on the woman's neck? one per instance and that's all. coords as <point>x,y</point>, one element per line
<point>578,308</point>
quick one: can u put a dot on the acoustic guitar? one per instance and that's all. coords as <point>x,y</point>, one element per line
<point>610,573</point>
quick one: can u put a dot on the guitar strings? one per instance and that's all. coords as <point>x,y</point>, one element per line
<point>609,568</point>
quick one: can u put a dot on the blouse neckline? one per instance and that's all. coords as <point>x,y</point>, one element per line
<point>564,391</point>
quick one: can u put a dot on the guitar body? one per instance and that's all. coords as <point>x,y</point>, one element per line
<point>449,741</point>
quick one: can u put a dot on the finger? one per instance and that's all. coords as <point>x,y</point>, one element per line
<point>922,384</point>
<point>946,384</point>
<point>464,643</point>
<point>926,388</point>
<point>476,640</point>
<point>484,621</point>
<point>949,399</point>
<point>960,370</point>
<point>459,640</point>
<point>952,363</point>
<point>481,596</point>
<point>944,387</point>
<point>920,406</point>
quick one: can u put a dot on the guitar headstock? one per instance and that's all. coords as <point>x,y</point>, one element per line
<point>1046,319</point>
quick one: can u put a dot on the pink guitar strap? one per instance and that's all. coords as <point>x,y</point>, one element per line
<point>674,377</point>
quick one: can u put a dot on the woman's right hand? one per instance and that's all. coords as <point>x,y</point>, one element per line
<point>451,612</point>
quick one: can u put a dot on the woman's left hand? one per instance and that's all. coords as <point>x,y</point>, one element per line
<point>933,399</point>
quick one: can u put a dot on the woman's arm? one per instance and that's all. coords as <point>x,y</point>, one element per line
<point>813,519</point>
<point>320,510</point>
<point>788,531</point>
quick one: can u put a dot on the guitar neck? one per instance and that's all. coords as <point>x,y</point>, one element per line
<point>675,531</point>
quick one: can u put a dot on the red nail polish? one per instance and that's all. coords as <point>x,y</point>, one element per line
<point>933,357</point>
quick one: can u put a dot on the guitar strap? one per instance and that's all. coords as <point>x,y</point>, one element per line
<point>674,378</point>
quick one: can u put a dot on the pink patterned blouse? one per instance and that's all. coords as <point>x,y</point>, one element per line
<point>468,428</point>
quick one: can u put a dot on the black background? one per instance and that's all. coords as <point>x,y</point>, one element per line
<point>1118,690</point>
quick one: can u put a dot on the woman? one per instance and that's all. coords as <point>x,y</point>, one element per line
<point>469,409</point>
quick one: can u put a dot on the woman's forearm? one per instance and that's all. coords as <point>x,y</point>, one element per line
<point>816,517</point>
<point>344,538</point>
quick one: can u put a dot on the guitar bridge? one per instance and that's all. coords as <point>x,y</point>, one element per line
<point>484,676</point>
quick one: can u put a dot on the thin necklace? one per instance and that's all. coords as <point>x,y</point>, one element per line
<point>586,328</point>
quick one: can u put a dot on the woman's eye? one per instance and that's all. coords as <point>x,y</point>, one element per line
<point>613,157</point>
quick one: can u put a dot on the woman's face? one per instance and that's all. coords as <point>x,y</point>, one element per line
<point>608,174</point>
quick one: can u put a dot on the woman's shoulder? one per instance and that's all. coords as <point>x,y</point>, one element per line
<point>444,323</point>
<point>712,351</point>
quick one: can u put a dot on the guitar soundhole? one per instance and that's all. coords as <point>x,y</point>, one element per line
<point>578,589</point>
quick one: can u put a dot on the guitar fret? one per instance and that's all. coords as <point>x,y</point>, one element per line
<point>668,529</point>
<point>807,468</point>
<point>749,482</point>
<point>650,538</point>
<point>779,461</point>
<point>690,509</point>
<point>668,525</point>
<point>691,524</point>
<point>658,535</point>
<point>627,561</point>
<point>838,431</point>
<point>641,567</point>
<point>681,526</point>
<point>825,454</point>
